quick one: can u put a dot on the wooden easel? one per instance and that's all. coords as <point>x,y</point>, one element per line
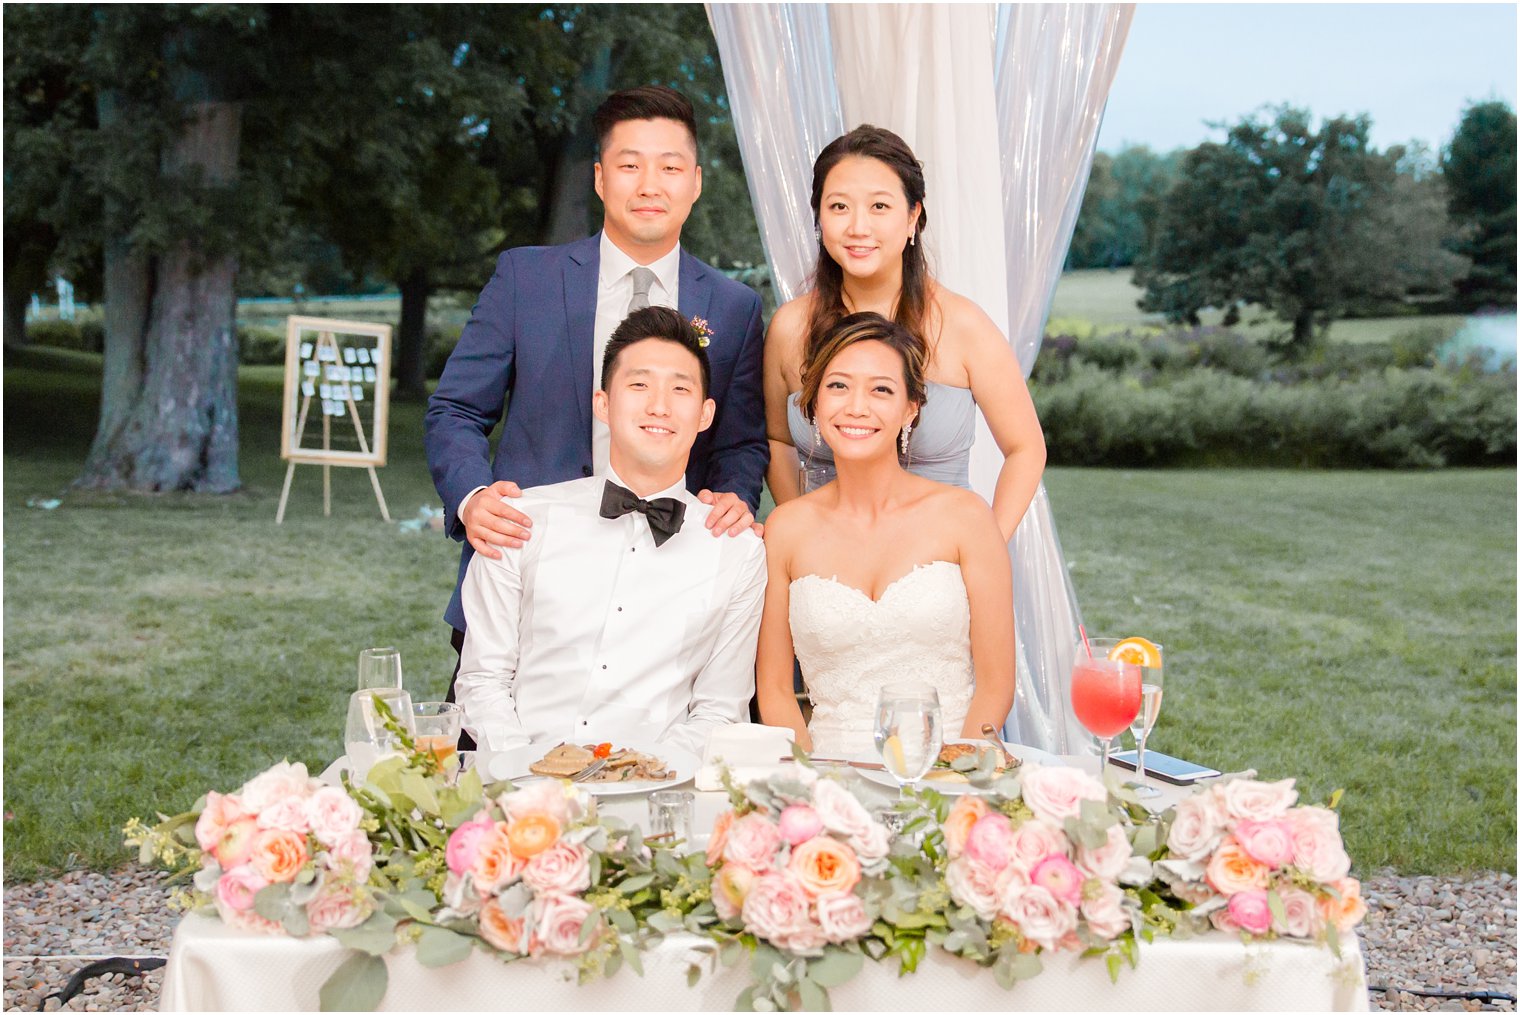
<point>291,436</point>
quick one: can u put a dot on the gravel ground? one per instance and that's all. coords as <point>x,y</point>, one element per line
<point>1421,933</point>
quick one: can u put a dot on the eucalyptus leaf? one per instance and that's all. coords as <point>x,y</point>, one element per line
<point>1145,840</point>
<point>814,997</point>
<point>1113,967</point>
<point>630,956</point>
<point>662,921</point>
<point>420,790</point>
<point>624,921</point>
<point>635,883</point>
<point>374,936</point>
<point>439,947</point>
<point>1025,965</point>
<point>693,974</point>
<point>837,966</point>
<point>1333,939</point>
<point>272,902</point>
<point>356,985</point>
<point>1275,904</point>
<point>746,1001</point>
<point>296,922</point>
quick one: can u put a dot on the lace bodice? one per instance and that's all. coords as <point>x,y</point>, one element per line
<point>939,448</point>
<point>849,646</point>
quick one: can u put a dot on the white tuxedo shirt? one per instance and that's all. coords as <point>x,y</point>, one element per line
<point>591,633</point>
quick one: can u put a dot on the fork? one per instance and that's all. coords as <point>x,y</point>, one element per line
<point>590,770</point>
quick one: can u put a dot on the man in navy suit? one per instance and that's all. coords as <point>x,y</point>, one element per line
<point>534,342</point>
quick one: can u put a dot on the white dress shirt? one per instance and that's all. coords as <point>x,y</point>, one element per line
<point>591,633</point>
<point>614,288</point>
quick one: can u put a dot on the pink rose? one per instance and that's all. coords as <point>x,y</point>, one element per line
<point>1197,828</point>
<point>464,843</point>
<point>1108,860</point>
<point>1105,912</point>
<point>1232,870</point>
<point>1060,877</point>
<point>1317,847</point>
<point>973,884</point>
<point>1301,913</point>
<point>287,815</point>
<point>559,922</point>
<point>278,855</point>
<point>991,841</point>
<point>1040,916</point>
<point>1249,911</point>
<point>282,781</point>
<point>842,917</point>
<point>718,841</point>
<point>1250,800</point>
<point>1010,879</point>
<point>248,920</point>
<point>776,909</point>
<point>753,841</point>
<point>236,888</point>
<point>353,852</point>
<point>337,908</point>
<point>559,800</point>
<point>331,814</point>
<point>1034,840</point>
<point>731,886</point>
<point>964,813</point>
<point>221,812</point>
<point>839,811</point>
<point>799,823</point>
<point>1268,842</point>
<point>1222,922</point>
<point>1055,794</point>
<point>562,868</point>
<point>236,846</point>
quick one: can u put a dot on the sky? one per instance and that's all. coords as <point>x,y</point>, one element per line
<point>1411,67</point>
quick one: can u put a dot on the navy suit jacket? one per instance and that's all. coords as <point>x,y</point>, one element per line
<point>526,351</point>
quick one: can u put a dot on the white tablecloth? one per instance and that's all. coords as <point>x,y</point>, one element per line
<point>214,968</point>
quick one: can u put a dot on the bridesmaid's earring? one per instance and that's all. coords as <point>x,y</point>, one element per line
<point>817,437</point>
<point>912,239</point>
<point>906,430</point>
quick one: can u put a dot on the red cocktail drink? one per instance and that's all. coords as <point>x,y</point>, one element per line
<point>1105,694</point>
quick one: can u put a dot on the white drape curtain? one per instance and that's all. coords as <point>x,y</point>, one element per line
<point>1001,103</point>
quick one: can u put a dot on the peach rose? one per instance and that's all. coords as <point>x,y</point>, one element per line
<point>500,931</point>
<point>1250,800</point>
<point>560,918</point>
<point>719,838</point>
<point>730,887</point>
<point>236,888</point>
<point>1055,794</point>
<point>1231,870</point>
<point>562,868</point>
<point>496,865</point>
<point>973,884</point>
<point>823,865</point>
<point>1249,911</point>
<point>1267,842</point>
<point>278,855</point>
<point>842,917</point>
<point>1347,911</point>
<point>531,834</point>
<point>964,813</point>
<point>753,841</point>
<point>1105,912</point>
<point>220,813</point>
<point>237,843</point>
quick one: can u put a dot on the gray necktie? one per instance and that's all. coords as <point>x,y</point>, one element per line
<point>643,278</point>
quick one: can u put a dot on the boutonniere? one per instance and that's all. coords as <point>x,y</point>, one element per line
<point>704,332</point>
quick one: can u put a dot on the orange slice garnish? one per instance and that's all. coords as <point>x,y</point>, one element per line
<point>1138,651</point>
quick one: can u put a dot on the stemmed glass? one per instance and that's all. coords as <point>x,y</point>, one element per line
<point>1150,708</point>
<point>1105,693</point>
<point>380,667</point>
<point>365,738</point>
<point>908,731</point>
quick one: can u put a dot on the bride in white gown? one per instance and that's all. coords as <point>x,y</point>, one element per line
<point>880,576</point>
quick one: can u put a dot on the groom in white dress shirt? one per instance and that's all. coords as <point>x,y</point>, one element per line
<point>622,617</point>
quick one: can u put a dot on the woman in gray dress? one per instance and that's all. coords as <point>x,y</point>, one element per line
<point>868,202</point>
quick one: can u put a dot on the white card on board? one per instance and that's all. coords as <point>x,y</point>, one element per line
<point>308,389</point>
<point>310,369</point>
<point>363,356</point>
<point>306,350</point>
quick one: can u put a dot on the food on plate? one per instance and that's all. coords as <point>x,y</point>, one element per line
<point>623,764</point>
<point>943,770</point>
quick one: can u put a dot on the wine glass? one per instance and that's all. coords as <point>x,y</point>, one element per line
<point>1105,693</point>
<point>1150,708</point>
<point>365,737</point>
<point>908,730</point>
<point>438,724</point>
<point>380,667</point>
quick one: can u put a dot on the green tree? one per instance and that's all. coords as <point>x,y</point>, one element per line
<point>1479,169</point>
<point>1284,216</point>
<point>1120,201</point>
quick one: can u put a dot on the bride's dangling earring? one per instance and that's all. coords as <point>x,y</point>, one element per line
<point>903,443</point>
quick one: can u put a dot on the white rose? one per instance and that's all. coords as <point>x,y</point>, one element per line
<point>287,815</point>
<point>1040,916</point>
<point>332,814</point>
<point>1108,860</point>
<point>1106,913</point>
<point>973,884</point>
<point>1301,911</point>
<point>1256,801</point>
<point>1056,794</point>
<point>1034,840</point>
<point>840,811</point>
<point>281,781</point>
<point>1197,828</point>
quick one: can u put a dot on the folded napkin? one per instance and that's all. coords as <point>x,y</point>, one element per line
<point>747,749</point>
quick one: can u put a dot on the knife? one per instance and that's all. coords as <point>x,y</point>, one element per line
<point>869,766</point>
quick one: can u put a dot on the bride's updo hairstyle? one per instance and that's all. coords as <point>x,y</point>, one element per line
<point>892,151</point>
<point>866,327</point>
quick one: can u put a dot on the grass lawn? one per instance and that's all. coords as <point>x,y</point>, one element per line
<point>1353,629</point>
<point>1096,301</point>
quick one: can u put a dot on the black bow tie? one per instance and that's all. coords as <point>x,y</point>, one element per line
<point>664,513</point>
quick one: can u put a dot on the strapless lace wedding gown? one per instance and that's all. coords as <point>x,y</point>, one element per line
<point>848,645</point>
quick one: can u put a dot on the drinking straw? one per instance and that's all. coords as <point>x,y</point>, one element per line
<point>1083,631</point>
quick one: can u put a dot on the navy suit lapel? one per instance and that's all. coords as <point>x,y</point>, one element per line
<point>580,278</point>
<point>696,289</point>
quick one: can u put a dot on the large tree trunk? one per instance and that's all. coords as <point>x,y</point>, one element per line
<point>169,402</point>
<point>411,338</point>
<point>570,193</point>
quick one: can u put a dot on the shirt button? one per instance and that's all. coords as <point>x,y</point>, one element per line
<point>585,471</point>
<point>585,723</point>
<point>604,666</point>
<point>620,609</point>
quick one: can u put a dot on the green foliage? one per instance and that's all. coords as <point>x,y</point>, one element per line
<point>1121,199</point>
<point>1479,170</point>
<point>85,334</point>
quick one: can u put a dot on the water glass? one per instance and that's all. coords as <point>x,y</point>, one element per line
<point>438,724</point>
<point>908,733</point>
<point>380,667</point>
<point>672,812</point>
<point>365,737</point>
<point>1150,709</point>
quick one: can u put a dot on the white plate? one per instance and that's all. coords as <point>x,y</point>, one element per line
<point>683,763</point>
<point>1023,753</point>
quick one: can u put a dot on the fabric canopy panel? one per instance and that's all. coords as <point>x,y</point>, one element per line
<point>1001,103</point>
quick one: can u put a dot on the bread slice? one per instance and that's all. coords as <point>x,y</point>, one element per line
<point>562,761</point>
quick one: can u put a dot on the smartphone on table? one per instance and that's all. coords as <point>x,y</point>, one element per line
<point>1165,767</point>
